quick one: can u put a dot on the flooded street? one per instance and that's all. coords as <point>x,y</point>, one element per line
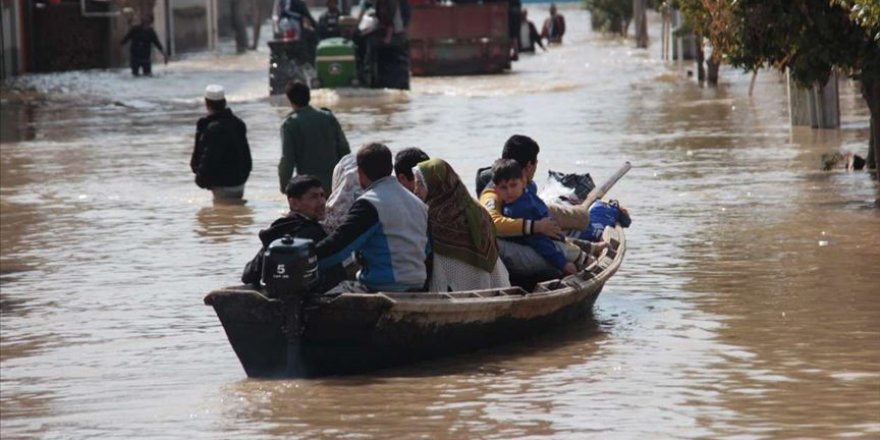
<point>747,305</point>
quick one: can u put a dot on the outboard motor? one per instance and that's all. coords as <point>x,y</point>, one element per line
<point>290,267</point>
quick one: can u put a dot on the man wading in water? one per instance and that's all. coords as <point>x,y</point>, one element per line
<point>221,158</point>
<point>140,51</point>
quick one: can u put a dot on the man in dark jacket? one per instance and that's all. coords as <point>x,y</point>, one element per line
<point>306,200</point>
<point>143,37</point>
<point>221,159</point>
<point>528,35</point>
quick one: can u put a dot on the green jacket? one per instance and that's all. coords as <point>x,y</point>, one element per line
<point>312,142</point>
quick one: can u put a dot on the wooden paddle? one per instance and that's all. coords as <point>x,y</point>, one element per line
<point>599,191</point>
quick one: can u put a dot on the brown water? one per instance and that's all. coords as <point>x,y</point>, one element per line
<point>747,306</point>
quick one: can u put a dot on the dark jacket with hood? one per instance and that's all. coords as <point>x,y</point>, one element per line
<point>222,156</point>
<point>298,226</point>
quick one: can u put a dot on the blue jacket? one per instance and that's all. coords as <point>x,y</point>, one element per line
<point>530,207</point>
<point>604,214</point>
<point>387,227</point>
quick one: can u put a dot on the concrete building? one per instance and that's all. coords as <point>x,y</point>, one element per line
<point>59,35</point>
<point>11,59</point>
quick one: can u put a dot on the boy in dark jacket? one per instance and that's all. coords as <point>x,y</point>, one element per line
<point>221,158</point>
<point>306,200</point>
<point>143,38</point>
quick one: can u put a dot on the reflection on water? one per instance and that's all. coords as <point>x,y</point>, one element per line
<point>746,306</point>
<point>386,404</point>
<point>16,121</point>
<point>224,219</point>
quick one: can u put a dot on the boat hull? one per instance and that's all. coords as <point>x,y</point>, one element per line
<point>353,333</point>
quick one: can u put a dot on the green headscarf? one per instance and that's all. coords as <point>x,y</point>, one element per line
<point>460,227</point>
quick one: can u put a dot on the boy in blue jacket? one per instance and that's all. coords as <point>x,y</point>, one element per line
<point>521,202</point>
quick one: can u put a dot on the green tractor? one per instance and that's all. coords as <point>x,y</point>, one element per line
<point>338,62</point>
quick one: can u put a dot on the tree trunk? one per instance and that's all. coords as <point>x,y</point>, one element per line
<point>616,26</point>
<point>752,82</point>
<point>701,56</point>
<point>641,23</point>
<point>596,21</point>
<point>871,93</point>
<point>713,65</point>
<point>872,149</point>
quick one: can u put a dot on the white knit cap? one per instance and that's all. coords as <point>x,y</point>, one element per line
<point>215,92</point>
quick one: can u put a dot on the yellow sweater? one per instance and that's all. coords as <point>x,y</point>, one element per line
<point>504,226</point>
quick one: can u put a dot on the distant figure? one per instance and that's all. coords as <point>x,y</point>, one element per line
<point>554,26</point>
<point>142,38</point>
<point>221,158</point>
<point>328,23</point>
<point>404,161</point>
<point>528,34</point>
<point>393,16</point>
<point>514,19</point>
<point>306,199</point>
<point>296,15</point>
<point>260,9</point>
<point>298,11</point>
<point>312,141</point>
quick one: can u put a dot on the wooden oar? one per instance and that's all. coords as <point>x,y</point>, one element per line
<point>599,191</point>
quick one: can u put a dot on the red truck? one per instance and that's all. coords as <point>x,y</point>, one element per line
<point>459,39</point>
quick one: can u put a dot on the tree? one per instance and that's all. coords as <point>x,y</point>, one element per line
<point>709,20</point>
<point>810,38</point>
<point>610,15</point>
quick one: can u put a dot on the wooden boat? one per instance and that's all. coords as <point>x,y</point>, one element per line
<point>358,332</point>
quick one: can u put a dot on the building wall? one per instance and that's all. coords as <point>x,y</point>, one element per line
<point>10,39</point>
<point>192,25</point>
<point>55,35</point>
<point>59,37</point>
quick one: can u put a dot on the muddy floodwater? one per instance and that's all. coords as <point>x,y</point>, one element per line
<point>747,305</point>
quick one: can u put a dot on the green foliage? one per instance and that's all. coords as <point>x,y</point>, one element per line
<point>866,13</point>
<point>809,37</point>
<point>610,15</point>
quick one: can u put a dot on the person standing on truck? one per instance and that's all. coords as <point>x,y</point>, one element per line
<point>328,23</point>
<point>297,11</point>
<point>143,37</point>
<point>554,26</point>
<point>381,44</point>
<point>393,16</point>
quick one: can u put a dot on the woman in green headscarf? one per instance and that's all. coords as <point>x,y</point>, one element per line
<point>462,233</point>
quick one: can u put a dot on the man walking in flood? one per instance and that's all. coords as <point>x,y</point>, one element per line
<point>554,26</point>
<point>312,141</point>
<point>221,158</point>
<point>528,34</point>
<point>142,38</point>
